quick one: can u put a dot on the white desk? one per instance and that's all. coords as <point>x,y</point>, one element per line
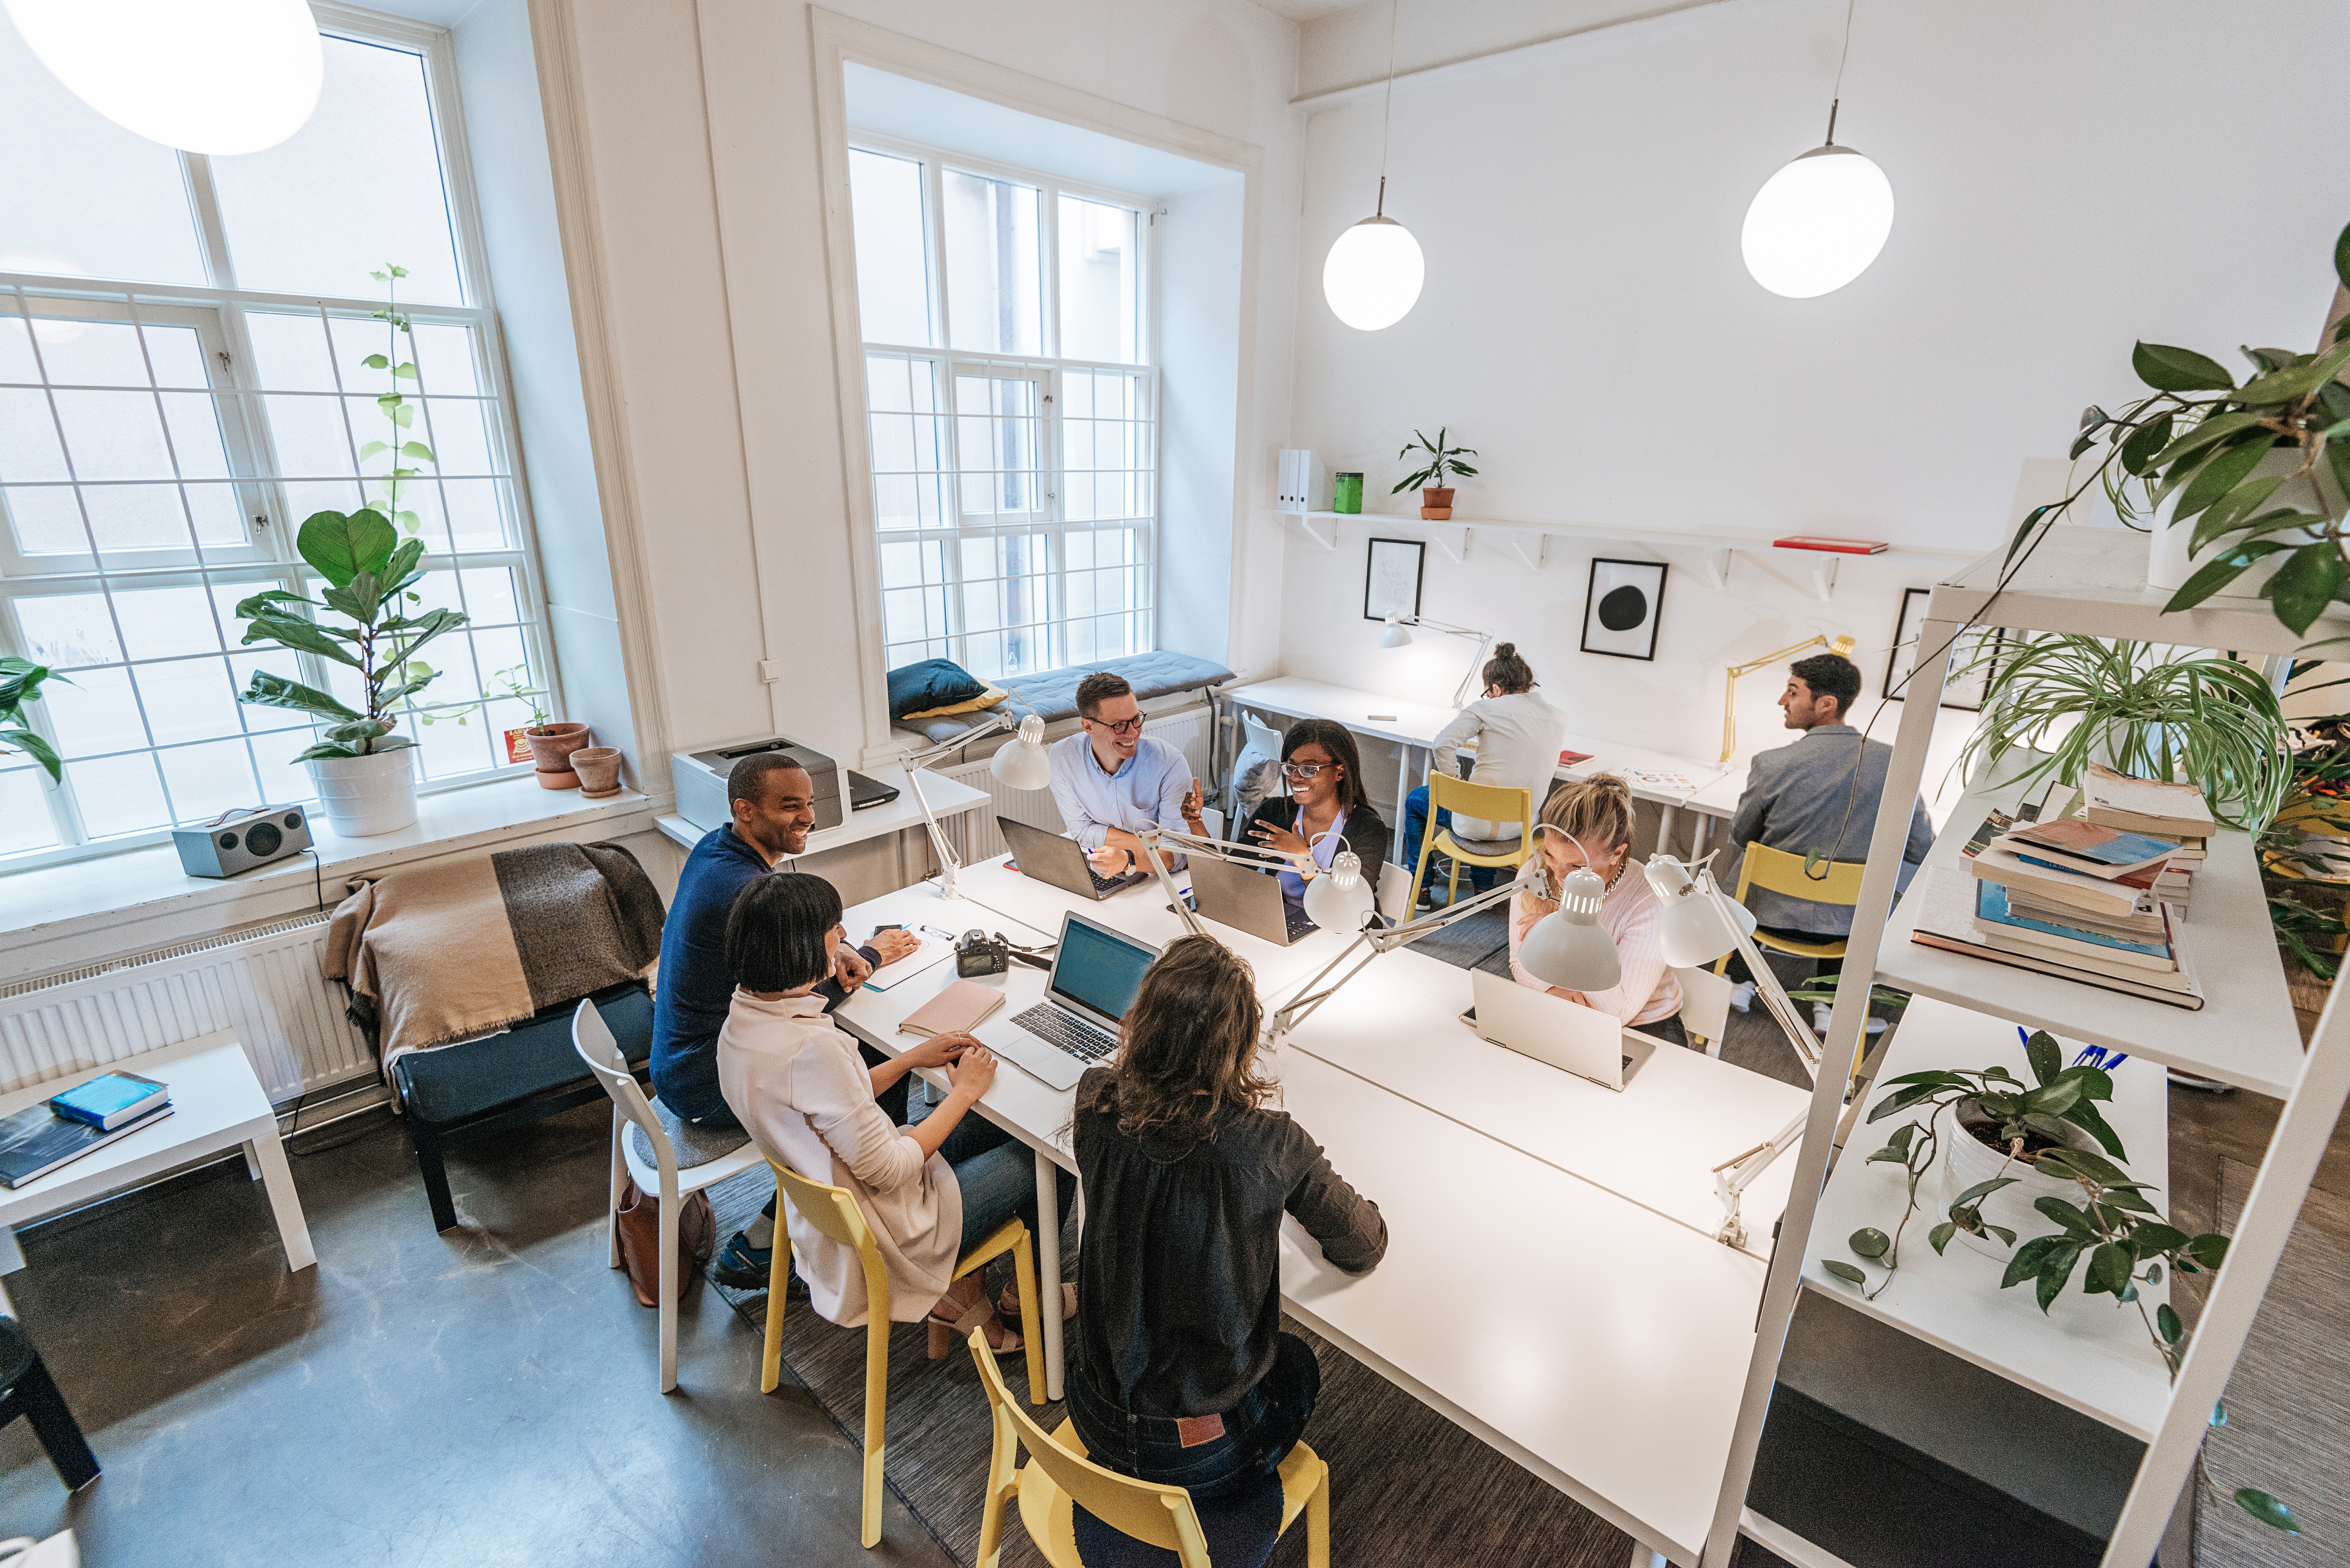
<point>216,1101</point>
<point>948,799</point>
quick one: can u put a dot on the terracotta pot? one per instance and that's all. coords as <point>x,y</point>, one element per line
<point>598,768</point>
<point>552,747</point>
<point>1436,504</point>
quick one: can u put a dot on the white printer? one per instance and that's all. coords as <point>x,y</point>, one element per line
<point>699,779</point>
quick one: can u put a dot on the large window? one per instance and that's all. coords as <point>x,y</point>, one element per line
<point>1011,408</point>
<point>183,380</point>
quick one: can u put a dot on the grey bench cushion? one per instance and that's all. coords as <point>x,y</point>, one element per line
<point>1053,694</point>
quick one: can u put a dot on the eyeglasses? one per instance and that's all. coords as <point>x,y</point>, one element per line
<point>1303,770</point>
<point>1122,727</point>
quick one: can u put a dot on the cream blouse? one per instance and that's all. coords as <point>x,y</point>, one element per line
<point>796,1084</point>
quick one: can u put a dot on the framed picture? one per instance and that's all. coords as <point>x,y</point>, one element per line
<point>1391,578</point>
<point>1619,617</point>
<point>1964,688</point>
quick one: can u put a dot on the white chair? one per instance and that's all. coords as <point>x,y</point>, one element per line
<point>1259,744</point>
<point>1705,1007</point>
<point>642,1150</point>
<point>1394,891</point>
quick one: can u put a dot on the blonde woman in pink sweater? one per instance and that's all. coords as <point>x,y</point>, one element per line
<point>1591,824</point>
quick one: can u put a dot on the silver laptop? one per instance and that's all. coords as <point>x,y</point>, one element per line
<point>1095,973</point>
<point>1247,900</point>
<point>1058,862</point>
<point>1565,1034</point>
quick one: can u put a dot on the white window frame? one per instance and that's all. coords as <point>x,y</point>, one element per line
<point>217,309</point>
<point>1047,367</point>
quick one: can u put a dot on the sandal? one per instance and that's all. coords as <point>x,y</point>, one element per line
<point>951,1323</point>
<point>1008,1306</point>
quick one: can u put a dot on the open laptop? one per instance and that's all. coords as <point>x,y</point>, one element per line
<point>1058,862</point>
<point>1566,1034</point>
<point>1095,973</point>
<point>1247,900</point>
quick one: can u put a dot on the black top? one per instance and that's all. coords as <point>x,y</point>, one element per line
<point>1179,1272</point>
<point>1365,834</point>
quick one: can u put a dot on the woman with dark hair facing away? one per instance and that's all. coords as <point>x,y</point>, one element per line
<point>931,1191</point>
<point>1519,736</point>
<point>1322,806</point>
<point>1590,824</point>
<point>1182,1373</point>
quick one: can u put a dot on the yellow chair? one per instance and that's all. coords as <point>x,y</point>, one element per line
<point>1780,872</point>
<point>1464,798</point>
<point>1059,1476</point>
<point>833,1212</point>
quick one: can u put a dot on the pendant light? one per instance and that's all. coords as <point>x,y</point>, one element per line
<point>219,77</point>
<point>1337,899</point>
<point>1820,221</point>
<point>1373,274</point>
<point>1568,948</point>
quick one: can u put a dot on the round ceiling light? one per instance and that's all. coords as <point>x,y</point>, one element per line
<point>1373,274</point>
<point>1818,224</point>
<point>219,77</point>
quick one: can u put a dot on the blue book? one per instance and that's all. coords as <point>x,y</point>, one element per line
<point>2096,948</point>
<point>110,1099</point>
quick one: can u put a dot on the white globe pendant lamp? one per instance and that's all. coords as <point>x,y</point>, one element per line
<point>1819,222</point>
<point>1372,276</point>
<point>218,77</point>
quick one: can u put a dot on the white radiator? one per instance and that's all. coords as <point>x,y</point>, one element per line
<point>264,981</point>
<point>1186,731</point>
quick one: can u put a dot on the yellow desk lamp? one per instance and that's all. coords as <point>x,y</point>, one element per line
<point>1843,646</point>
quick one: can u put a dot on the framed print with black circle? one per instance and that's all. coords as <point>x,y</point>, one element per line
<point>1620,618</point>
<point>1970,672</point>
<point>1391,578</point>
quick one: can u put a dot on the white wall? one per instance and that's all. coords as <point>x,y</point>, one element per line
<point>1587,324</point>
<point>1200,356</point>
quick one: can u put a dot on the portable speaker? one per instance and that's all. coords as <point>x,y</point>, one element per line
<point>242,840</point>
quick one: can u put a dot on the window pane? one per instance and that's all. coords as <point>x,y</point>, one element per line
<point>24,814</point>
<point>893,264</point>
<point>67,631</point>
<point>83,197</point>
<point>995,276</point>
<point>95,713</point>
<point>997,436</point>
<point>117,795</point>
<point>210,779</point>
<point>358,186</point>
<point>1099,276</point>
<point>289,351</point>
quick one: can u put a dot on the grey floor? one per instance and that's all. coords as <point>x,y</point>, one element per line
<point>483,1397</point>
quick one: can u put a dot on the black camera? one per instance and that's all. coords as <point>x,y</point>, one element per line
<point>977,954</point>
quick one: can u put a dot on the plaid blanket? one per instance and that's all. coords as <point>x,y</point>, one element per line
<point>438,954</point>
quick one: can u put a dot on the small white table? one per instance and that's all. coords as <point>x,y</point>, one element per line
<point>216,1101</point>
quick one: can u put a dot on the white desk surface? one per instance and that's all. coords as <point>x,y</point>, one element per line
<point>2086,1352</point>
<point>1654,1144</point>
<point>946,796</point>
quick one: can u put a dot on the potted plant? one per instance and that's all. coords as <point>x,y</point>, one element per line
<point>2255,474</point>
<point>1442,461</point>
<point>361,769</point>
<point>20,682</point>
<point>2209,719</point>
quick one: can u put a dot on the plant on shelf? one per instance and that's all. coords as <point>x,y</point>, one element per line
<point>2260,469</point>
<point>1441,463</point>
<point>2210,721</point>
<point>20,683</point>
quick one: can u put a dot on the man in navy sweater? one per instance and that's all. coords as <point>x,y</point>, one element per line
<point>773,805</point>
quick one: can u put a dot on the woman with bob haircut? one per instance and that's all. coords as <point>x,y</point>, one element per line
<point>1182,1375</point>
<point>931,1190</point>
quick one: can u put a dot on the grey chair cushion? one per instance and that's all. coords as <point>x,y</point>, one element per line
<point>1487,846</point>
<point>692,1144</point>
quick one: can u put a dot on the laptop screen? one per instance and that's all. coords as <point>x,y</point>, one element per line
<point>1098,969</point>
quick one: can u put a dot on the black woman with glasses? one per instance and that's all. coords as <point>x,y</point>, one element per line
<point>1322,806</point>
<point>1110,779</point>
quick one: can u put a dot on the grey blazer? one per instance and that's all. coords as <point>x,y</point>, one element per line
<point>1796,800</point>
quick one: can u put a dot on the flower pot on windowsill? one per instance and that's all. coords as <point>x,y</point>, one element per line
<point>1436,504</point>
<point>363,796</point>
<point>598,768</point>
<point>551,747</point>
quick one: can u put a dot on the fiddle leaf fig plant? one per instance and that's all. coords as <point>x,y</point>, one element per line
<point>20,682</point>
<point>1440,460</point>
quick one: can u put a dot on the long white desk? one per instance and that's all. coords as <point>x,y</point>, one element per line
<point>948,800</point>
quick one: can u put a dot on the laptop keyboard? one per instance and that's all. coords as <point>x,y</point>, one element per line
<point>1075,1035</point>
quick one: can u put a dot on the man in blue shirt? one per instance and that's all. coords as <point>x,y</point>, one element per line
<point>1110,778</point>
<point>773,805</point>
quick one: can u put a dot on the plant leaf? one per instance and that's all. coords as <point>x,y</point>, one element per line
<point>2209,1250</point>
<point>1868,1242</point>
<point>2054,1271</point>
<point>2024,529</point>
<point>2221,427</point>
<point>2137,451</point>
<point>2169,370</point>
<point>2223,515</point>
<point>1844,1271</point>
<point>2043,1052</point>
<point>35,746</point>
<point>272,624</point>
<point>268,691</point>
<point>417,449</point>
<point>2295,382</point>
<point>1940,1235</point>
<point>2228,468</point>
<point>339,547</point>
<point>2219,571</point>
<point>2267,1509</point>
<point>2109,1269</point>
<point>376,362</point>
<point>2076,1223</point>
<point>2028,1260</point>
<point>1981,1190</point>
<point>2306,584</point>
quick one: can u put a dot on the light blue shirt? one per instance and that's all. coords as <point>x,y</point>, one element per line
<point>1148,788</point>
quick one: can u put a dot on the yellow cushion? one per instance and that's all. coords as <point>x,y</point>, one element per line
<point>987,698</point>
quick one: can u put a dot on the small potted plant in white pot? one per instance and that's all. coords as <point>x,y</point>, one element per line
<point>1442,463</point>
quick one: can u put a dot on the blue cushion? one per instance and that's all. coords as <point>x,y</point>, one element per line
<point>1053,694</point>
<point>459,1081</point>
<point>932,683</point>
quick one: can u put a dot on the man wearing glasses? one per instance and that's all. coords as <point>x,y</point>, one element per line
<point>1110,778</point>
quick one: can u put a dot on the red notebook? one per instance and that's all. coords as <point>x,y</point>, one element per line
<point>1568,759</point>
<point>1825,542</point>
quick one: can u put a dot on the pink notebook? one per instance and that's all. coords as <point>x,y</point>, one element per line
<point>957,1009</point>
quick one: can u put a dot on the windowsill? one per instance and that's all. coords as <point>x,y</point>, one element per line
<point>58,916</point>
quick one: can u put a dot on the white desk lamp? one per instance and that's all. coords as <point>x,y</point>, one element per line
<point>1396,635</point>
<point>1023,765</point>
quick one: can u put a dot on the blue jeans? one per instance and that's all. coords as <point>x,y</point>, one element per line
<point>997,1175</point>
<point>1415,828</point>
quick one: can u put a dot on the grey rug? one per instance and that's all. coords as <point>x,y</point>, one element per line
<point>2288,1427</point>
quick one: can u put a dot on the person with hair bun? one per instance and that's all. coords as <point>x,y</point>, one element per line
<point>1519,736</point>
<point>1590,824</point>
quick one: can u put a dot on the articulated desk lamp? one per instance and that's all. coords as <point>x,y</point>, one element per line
<point>1843,646</point>
<point>1395,635</point>
<point>1022,764</point>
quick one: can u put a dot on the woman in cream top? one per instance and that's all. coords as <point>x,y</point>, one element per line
<point>930,1190</point>
<point>1594,819</point>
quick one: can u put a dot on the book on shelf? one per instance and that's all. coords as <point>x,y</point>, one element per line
<point>2112,799</point>
<point>110,1099</point>
<point>1831,543</point>
<point>2004,926</point>
<point>1945,902</point>
<point>2147,926</point>
<point>2096,894</point>
<point>2073,845</point>
<point>1994,823</point>
<point>36,1141</point>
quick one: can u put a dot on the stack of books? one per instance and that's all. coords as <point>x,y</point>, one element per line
<point>2177,812</point>
<point>90,1116</point>
<point>2134,951</point>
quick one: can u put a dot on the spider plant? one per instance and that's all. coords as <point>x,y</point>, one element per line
<point>2200,719</point>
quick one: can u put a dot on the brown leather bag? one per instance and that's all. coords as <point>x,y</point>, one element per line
<point>639,1217</point>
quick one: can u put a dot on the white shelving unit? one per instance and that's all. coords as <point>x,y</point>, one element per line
<point>2090,582</point>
